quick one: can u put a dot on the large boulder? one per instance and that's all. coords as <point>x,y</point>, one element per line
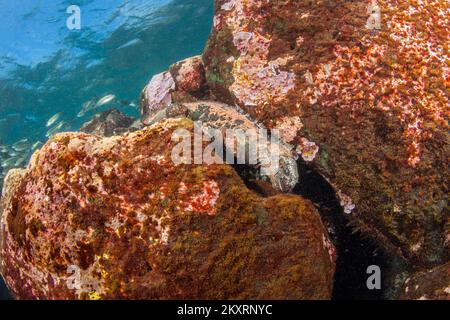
<point>361,90</point>
<point>115,218</point>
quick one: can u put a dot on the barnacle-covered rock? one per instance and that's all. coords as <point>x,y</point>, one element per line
<point>109,123</point>
<point>360,89</point>
<point>236,127</point>
<point>184,82</point>
<point>433,284</point>
<point>103,218</point>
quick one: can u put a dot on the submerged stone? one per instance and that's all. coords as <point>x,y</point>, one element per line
<point>190,79</point>
<point>114,218</point>
<point>184,82</point>
<point>362,97</point>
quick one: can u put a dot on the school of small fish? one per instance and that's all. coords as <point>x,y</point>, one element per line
<point>18,154</point>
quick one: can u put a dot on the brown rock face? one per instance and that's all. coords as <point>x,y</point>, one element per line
<point>361,90</point>
<point>433,284</point>
<point>114,218</point>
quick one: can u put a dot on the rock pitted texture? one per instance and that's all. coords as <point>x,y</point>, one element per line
<point>100,218</point>
<point>369,107</point>
<point>433,284</point>
<point>108,123</point>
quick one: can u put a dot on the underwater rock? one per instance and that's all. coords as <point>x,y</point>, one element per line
<point>433,284</point>
<point>156,95</point>
<point>184,82</point>
<point>190,80</point>
<point>114,218</point>
<point>365,103</point>
<point>108,123</point>
<point>2,176</point>
<point>230,120</point>
<point>12,179</point>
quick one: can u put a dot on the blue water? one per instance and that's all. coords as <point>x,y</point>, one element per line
<point>45,68</point>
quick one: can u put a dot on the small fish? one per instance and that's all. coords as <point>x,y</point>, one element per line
<point>13,153</point>
<point>124,102</point>
<point>106,99</point>
<point>8,163</point>
<point>20,162</point>
<point>31,118</point>
<point>133,105</point>
<point>53,119</point>
<point>81,113</point>
<point>21,145</point>
<point>13,115</point>
<point>87,106</point>
<point>130,43</point>
<point>59,127</point>
<point>36,145</point>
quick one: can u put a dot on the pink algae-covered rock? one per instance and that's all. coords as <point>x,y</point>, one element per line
<point>185,82</point>
<point>157,94</point>
<point>190,77</point>
<point>360,89</point>
<point>115,218</point>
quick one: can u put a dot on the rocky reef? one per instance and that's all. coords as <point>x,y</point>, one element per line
<point>130,224</point>
<point>356,92</point>
<point>372,103</point>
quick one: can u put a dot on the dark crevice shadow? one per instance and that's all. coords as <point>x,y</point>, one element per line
<point>4,292</point>
<point>355,252</point>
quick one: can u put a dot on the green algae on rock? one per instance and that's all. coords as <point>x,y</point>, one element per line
<point>369,108</point>
<point>114,218</point>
